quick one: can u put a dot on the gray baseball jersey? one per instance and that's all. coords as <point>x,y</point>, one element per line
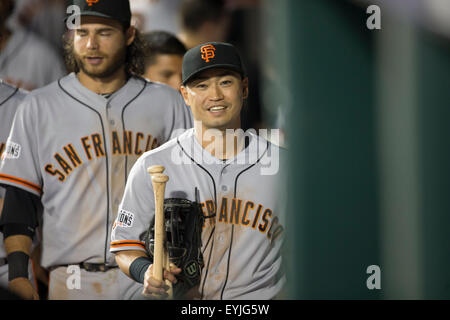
<point>10,98</point>
<point>74,149</point>
<point>28,60</point>
<point>242,244</point>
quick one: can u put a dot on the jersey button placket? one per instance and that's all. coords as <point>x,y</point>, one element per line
<point>224,170</point>
<point>225,191</point>
<point>221,227</point>
<point>224,185</point>
<point>106,116</point>
<point>111,120</point>
<point>115,162</point>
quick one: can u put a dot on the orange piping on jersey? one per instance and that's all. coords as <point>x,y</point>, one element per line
<point>117,244</point>
<point>127,245</point>
<point>21,181</point>
<point>127,241</point>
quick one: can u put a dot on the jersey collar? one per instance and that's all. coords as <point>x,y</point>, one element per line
<point>120,98</point>
<point>254,150</point>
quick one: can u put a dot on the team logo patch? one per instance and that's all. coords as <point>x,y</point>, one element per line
<point>208,52</point>
<point>125,219</point>
<point>90,2</point>
<point>12,150</point>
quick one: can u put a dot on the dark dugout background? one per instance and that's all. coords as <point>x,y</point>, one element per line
<point>368,133</point>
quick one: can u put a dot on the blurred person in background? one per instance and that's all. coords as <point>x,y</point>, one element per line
<point>203,21</point>
<point>42,17</point>
<point>164,58</point>
<point>26,61</point>
<point>150,15</point>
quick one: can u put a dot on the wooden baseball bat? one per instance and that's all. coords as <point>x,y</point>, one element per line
<point>155,169</point>
<point>160,256</point>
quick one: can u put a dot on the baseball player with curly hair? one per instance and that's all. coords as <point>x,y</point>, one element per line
<point>236,178</point>
<point>71,147</point>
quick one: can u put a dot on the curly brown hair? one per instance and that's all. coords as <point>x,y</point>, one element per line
<point>135,55</point>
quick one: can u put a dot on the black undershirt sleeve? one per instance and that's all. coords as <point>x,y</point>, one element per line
<point>20,214</point>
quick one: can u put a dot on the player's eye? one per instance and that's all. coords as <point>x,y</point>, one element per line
<point>82,33</point>
<point>226,82</point>
<point>201,86</point>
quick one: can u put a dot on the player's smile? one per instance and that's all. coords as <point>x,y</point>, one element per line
<point>217,110</point>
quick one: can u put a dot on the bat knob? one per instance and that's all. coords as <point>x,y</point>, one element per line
<point>155,169</point>
<point>160,178</point>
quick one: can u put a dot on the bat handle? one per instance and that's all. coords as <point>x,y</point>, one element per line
<point>152,170</point>
<point>159,183</point>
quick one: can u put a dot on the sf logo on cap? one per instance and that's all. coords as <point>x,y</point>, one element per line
<point>208,52</point>
<point>90,2</point>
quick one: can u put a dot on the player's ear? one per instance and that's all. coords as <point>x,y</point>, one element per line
<point>245,88</point>
<point>130,34</point>
<point>184,93</point>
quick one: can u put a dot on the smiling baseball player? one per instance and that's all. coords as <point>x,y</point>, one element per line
<point>242,203</point>
<point>72,145</point>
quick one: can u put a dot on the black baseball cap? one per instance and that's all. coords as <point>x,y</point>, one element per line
<point>211,55</point>
<point>113,9</point>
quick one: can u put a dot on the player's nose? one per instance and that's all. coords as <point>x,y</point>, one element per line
<point>215,92</point>
<point>92,43</point>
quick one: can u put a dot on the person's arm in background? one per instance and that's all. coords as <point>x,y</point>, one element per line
<point>18,222</point>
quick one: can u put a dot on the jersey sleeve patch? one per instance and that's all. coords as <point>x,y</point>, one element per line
<point>12,150</point>
<point>125,219</point>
